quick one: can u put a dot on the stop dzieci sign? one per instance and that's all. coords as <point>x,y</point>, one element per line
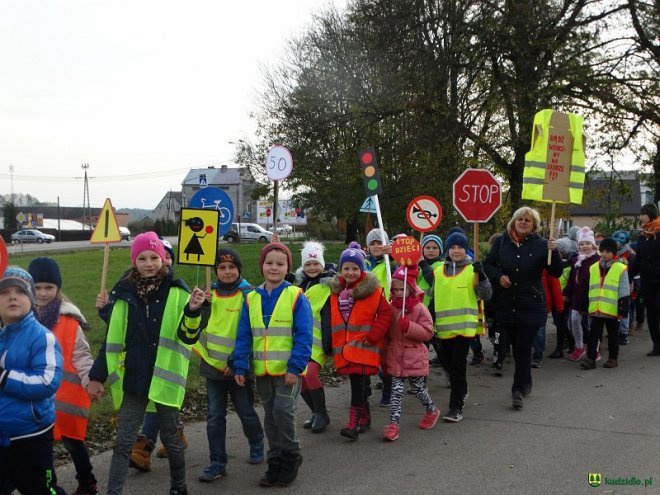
<point>477,195</point>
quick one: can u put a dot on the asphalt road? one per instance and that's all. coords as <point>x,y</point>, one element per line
<point>575,422</point>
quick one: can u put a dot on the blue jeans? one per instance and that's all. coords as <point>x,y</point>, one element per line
<point>217,392</point>
<point>538,346</point>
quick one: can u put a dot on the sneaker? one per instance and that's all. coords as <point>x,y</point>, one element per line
<point>624,340</point>
<point>497,369</point>
<point>536,363</point>
<point>588,364</point>
<point>477,359</point>
<point>391,432</point>
<point>598,356</point>
<point>453,416</point>
<point>578,354</point>
<point>465,397</point>
<point>213,472</point>
<point>256,454</point>
<point>430,419</point>
<point>179,491</point>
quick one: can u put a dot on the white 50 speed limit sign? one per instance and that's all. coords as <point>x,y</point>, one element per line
<point>279,163</point>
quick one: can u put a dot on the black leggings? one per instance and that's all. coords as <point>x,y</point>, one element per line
<point>651,293</point>
<point>360,389</point>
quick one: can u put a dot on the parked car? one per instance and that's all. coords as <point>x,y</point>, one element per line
<point>125,233</point>
<point>248,232</point>
<point>284,229</point>
<point>32,235</point>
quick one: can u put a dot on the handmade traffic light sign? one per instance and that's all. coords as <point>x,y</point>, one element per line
<point>370,175</point>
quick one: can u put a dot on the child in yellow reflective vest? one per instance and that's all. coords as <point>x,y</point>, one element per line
<point>312,278</point>
<point>153,324</point>
<point>72,403</point>
<point>216,346</point>
<point>275,340</point>
<point>457,283</point>
<point>609,297</point>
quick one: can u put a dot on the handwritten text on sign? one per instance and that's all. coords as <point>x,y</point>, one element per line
<point>406,250</point>
<point>556,148</point>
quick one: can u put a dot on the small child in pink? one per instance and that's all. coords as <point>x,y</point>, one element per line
<point>407,356</point>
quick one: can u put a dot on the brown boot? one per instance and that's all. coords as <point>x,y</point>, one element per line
<point>162,451</point>
<point>141,454</point>
<point>611,363</point>
<point>588,364</point>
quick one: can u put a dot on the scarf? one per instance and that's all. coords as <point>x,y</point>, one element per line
<point>582,257</point>
<point>49,314</point>
<point>652,228</point>
<point>146,286</point>
<point>515,237</point>
<point>411,302</point>
<point>346,301</point>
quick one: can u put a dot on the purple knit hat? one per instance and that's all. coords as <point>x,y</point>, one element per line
<point>354,254</point>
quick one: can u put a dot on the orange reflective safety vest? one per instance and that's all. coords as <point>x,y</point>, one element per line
<point>71,400</point>
<point>347,337</point>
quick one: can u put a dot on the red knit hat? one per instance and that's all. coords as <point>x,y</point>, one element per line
<point>410,277</point>
<point>278,246</point>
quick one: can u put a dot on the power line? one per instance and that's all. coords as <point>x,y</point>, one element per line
<point>98,178</point>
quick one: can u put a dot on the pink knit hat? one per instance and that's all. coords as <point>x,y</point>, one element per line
<point>585,234</point>
<point>148,241</point>
<point>410,277</point>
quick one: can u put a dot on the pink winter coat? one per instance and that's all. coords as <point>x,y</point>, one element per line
<point>407,354</point>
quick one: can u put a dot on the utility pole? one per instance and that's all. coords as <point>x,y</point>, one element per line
<point>11,183</point>
<point>86,200</point>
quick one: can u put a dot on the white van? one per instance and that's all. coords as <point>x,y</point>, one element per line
<point>249,232</point>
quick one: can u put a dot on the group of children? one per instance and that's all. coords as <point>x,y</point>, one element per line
<point>275,337</point>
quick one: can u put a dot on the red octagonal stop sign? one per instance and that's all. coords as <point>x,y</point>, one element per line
<point>477,195</point>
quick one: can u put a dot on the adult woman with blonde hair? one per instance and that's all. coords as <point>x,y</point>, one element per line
<point>515,265</point>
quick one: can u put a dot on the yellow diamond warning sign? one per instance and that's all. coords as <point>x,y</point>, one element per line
<point>107,229</point>
<point>198,237</point>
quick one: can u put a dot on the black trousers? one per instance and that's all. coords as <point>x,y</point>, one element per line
<point>28,464</point>
<point>521,338</point>
<point>453,353</point>
<point>651,293</point>
<point>596,335</point>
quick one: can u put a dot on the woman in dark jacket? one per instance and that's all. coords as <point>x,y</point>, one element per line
<point>515,265</point>
<point>647,265</point>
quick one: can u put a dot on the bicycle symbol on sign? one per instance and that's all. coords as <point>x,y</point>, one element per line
<point>225,215</point>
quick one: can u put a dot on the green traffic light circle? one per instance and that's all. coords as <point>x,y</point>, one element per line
<point>372,184</point>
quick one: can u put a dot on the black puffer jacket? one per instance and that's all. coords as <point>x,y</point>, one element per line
<point>647,260</point>
<point>523,304</point>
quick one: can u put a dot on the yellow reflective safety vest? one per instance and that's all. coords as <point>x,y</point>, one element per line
<point>456,306</point>
<point>563,280</point>
<point>380,271</point>
<point>217,341</point>
<point>604,291</point>
<point>318,295</point>
<point>540,156</point>
<point>168,383</point>
<point>424,285</point>
<point>272,345</point>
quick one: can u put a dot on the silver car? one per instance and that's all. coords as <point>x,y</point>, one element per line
<point>32,235</point>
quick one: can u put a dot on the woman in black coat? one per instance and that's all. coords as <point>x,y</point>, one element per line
<point>647,266</point>
<point>515,265</point>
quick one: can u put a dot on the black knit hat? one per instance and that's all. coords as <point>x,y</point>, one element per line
<point>45,270</point>
<point>225,255</point>
<point>608,244</point>
<point>650,210</point>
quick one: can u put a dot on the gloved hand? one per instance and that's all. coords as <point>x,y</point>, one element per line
<point>478,268</point>
<point>404,324</point>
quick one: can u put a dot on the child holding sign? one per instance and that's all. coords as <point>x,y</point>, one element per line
<point>407,355</point>
<point>153,322</point>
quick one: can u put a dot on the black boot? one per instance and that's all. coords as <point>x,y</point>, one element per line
<point>321,418</point>
<point>291,461</point>
<point>272,473</point>
<point>307,397</point>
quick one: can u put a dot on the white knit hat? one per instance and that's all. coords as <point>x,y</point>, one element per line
<point>374,235</point>
<point>585,234</point>
<point>312,251</point>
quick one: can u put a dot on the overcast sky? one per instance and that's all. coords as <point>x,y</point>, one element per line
<point>134,88</point>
